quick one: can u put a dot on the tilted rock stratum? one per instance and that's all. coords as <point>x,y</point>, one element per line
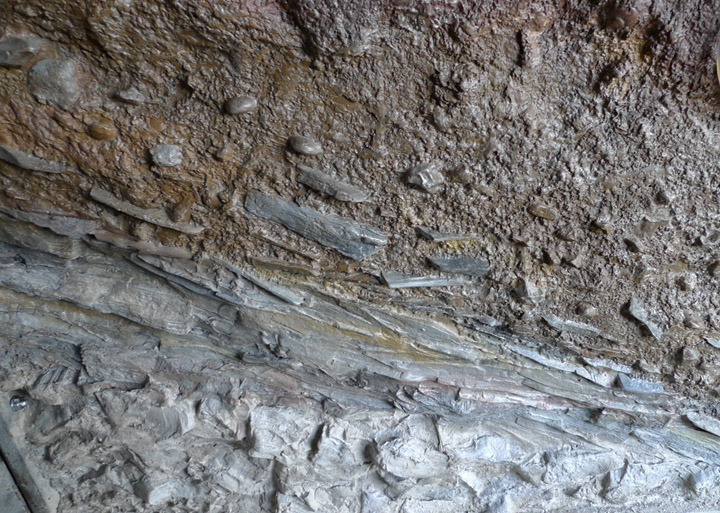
<point>360,256</point>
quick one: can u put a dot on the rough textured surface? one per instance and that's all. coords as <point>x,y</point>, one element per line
<point>216,335</point>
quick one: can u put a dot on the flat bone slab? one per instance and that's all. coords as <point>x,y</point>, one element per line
<point>347,237</point>
<point>704,422</point>
<point>466,266</point>
<point>156,216</point>
<point>59,223</point>
<point>396,280</point>
<point>573,326</point>
<point>30,162</point>
<point>325,184</point>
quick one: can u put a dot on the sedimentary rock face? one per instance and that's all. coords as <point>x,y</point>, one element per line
<point>359,256</point>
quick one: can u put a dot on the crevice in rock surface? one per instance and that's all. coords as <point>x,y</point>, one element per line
<point>361,257</point>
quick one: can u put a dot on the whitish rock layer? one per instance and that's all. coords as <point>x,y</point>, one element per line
<point>156,383</point>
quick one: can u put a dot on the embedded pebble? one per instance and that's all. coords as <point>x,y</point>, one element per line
<point>225,153</point>
<point>240,105</point>
<point>700,482</point>
<point>304,145</point>
<point>143,231</point>
<point>567,233</point>
<point>689,355</point>
<point>602,223</point>
<point>462,175</point>
<point>542,211</point>
<point>131,95</point>
<point>529,290</point>
<point>529,49</point>
<point>633,244</point>
<point>576,260</point>
<point>713,341</point>
<point>709,238</point>
<point>715,269</point>
<point>687,282</point>
<point>704,422</point>
<point>55,82</point>
<point>644,366</point>
<point>662,197</point>
<point>167,155</point>
<point>180,212</point>
<point>103,131</point>
<point>15,51</point>
<point>551,257</point>
<point>18,403</point>
<point>691,320</point>
<point>426,176</point>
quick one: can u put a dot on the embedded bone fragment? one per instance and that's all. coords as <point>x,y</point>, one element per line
<point>321,182</point>
<point>156,216</point>
<point>348,237</point>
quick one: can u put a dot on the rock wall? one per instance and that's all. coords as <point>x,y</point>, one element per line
<point>372,256</point>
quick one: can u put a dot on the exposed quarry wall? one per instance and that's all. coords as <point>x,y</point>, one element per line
<point>364,256</point>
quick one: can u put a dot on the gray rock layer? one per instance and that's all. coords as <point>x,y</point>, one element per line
<point>155,382</point>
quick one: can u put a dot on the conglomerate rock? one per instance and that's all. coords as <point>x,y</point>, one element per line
<point>392,256</point>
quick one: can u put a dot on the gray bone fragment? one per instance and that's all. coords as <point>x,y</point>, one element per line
<point>396,280</point>
<point>637,310</point>
<point>642,386</point>
<point>426,176</point>
<point>27,235</point>
<point>713,341</point>
<point>15,51</point>
<point>278,291</point>
<point>131,96</point>
<point>573,326</point>
<point>156,490</point>
<point>55,82</point>
<point>156,216</point>
<point>325,184</point>
<point>348,237</point>
<point>467,266</point>
<point>30,162</point>
<point>68,225</point>
<point>704,422</point>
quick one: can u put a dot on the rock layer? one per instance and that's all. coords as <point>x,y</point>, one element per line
<point>192,330</point>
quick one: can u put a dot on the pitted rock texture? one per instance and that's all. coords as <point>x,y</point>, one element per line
<point>557,273</point>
